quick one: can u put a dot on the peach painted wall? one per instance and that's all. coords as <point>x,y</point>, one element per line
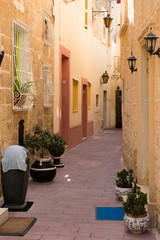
<point>88,60</point>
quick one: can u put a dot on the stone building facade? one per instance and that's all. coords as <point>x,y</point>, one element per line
<point>26,72</point>
<point>82,55</point>
<point>141,91</point>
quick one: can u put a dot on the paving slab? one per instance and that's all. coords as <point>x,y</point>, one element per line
<point>65,207</point>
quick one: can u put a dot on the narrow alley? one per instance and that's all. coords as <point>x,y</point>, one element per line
<point>65,207</point>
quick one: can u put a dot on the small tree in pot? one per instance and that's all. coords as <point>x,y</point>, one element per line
<point>124,183</point>
<point>42,169</point>
<point>39,141</point>
<point>136,218</point>
<point>57,148</point>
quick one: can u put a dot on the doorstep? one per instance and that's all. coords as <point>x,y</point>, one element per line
<point>3,215</point>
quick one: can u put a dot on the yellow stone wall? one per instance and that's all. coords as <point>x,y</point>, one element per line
<point>32,14</point>
<point>141,111</point>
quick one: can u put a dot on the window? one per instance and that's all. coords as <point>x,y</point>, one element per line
<point>23,84</point>
<point>48,30</point>
<point>86,14</point>
<point>97,100</point>
<point>116,61</point>
<point>75,95</point>
<point>48,87</point>
<point>89,95</point>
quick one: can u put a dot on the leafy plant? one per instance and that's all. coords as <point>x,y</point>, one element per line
<point>135,203</point>
<point>125,178</point>
<point>23,87</point>
<point>57,145</point>
<point>39,141</point>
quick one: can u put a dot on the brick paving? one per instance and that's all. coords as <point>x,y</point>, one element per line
<point>65,207</point>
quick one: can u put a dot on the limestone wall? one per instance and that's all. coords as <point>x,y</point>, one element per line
<point>141,124</point>
<point>32,14</point>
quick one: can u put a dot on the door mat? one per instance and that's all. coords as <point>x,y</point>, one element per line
<point>25,209</point>
<point>17,226</point>
<point>109,213</point>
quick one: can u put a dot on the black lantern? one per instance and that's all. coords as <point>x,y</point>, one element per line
<point>151,44</point>
<point>1,56</point>
<point>107,21</point>
<point>132,63</point>
<point>105,77</point>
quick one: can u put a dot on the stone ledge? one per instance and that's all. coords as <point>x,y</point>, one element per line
<point>3,215</point>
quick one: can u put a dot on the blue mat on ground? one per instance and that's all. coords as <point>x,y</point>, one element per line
<point>109,213</point>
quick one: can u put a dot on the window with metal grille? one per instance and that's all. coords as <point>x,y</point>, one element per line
<point>75,95</point>
<point>48,30</point>
<point>23,84</point>
<point>48,87</point>
<point>89,95</point>
<point>86,14</point>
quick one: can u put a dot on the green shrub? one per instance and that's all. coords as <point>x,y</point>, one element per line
<point>125,178</point>
<point>57,145</point>
<point>38,141</point>
<point>135,203</point>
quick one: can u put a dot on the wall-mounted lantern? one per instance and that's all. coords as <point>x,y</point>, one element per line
<point>151,44</point>
<point>107,20</point>
<point>132,63</point>
<point>1,56</point>
<point>104,77</point>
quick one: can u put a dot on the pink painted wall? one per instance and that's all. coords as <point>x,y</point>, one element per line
<point>74,135</point>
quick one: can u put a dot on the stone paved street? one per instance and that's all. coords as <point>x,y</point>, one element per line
<point>65,207</point>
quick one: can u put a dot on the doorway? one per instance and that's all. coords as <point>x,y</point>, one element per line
<point>118,108</point>
<point>84,111</point>
<point>104,109</point>
<point>145,117</point>
<point>64,93</point>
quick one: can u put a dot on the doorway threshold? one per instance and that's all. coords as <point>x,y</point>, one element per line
<point>84,138</point>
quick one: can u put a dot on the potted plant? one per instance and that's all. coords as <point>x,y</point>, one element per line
<point>136,218</point>
<point>23,92</point>
<point>38,143</point>
<point>56,149</point>
<point>124,183</point>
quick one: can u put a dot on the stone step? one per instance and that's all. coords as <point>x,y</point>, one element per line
<point>3,215</point>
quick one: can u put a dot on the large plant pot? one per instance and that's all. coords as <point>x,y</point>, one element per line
<point>43,170</point>
<point>14,187</point>
<point>57,162</point>
<point>136,225</point>
<point>57,158</point>
<point>121,192</point>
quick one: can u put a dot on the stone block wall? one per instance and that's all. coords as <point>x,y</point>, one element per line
<point>146,15</point>
<point>32,14</point>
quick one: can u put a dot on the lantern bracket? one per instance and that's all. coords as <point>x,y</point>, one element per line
<point>156,52</point>
<point>95,13</point>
